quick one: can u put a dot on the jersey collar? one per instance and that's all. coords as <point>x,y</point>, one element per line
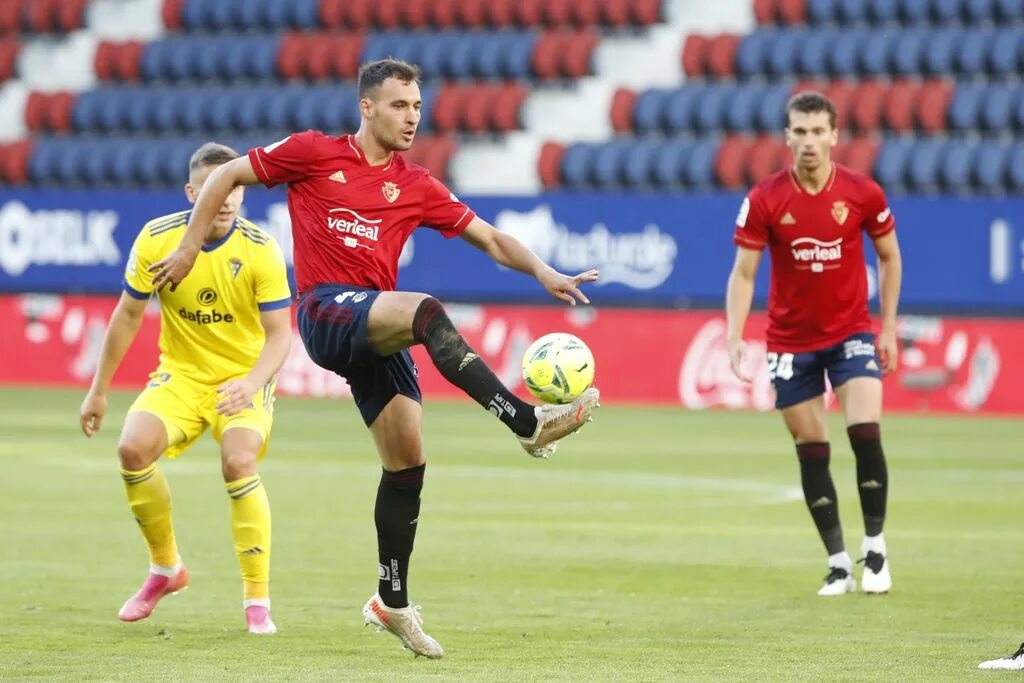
<point>351,139</point>
<point>825,188</point>
<point>222,240</point>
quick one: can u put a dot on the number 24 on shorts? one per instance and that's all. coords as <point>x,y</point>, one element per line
<point>780,365</point>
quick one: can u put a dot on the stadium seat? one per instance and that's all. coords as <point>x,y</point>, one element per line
<point>549,164</point>
<point>766,11</point>
<point>998,109</point>
<point>913,12</point>
<point>946,11</point>
<point>699,170</point>
<point>875,52</point>
<point>1015,169</point>
<point>844,52</point>
<point>899,106</point>
<point>957,166</point>
<point>721,55</point>
<point>730,161</point>
<point>741,112</point>
<point>782,52</point>
<point>971,57</point>
<point>637,166</point>
<point>680,108</point>
<point>861,153</point>
<point>501,13</point>
<point>621,114</point>
<point>751,54</point>
<point>711,108</point>
<point>866,111</point>
<point>841,93</point>
<point>990,165</point>
<point>923,165</point>
<point>694,56</point>
<point>766,155</point>
<point>907,55</point>
<point>979,11</point>
<point>933,105</point>
<point>1009,10</point>
<point>576,165</point>
<point>820,12</point>
<point>668,163</point>
<point>1005,52</point>
<point>792,12</point>
<point>585,13</point>
<point>14,162</point>
<point>648,114</point>
<point>965,109</point>
<point>940,50</point>
<point>771,116</point>
<point>891,164</point>
<point>852,12</point>
<point>882,11</point>
<point>607,164</point>
<point>812,59</point>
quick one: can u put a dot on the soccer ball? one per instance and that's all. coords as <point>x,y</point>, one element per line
<point>557,368</point>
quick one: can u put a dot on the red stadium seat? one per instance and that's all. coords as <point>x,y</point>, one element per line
<point>10,16</point>
<point>861,153</point>
<point>14,159</point>
<point>585,13</point>
<point>866,110</point>
<point>171,13</point>
<point>546,59</point>
<point>900,105</point>
<point>527,13</point>
<point>578,50</point>
<point>356,13</point>
<point>479,104</point>
<point>731,158</point>
<point>128,60</point>
<point>695,55</point>
<point>415,13</point>
<point>792,12</point>
<point>721,55</point>
<point>442,13</point>
<point>345,53</point>
<point>767,155</point>
<point>470,13</point>
<point>36,106</point>
<point>556,13</point>
<point>766,11</point>
<point>933,105</point>
<point>500,13</point>
<point>290,57</point>
<point>316,55</point>
<point>615,12</point>
<point>385,14</point>
<point>841,93</point>
<point>70,15</point>
<point>40,15</point>
<point>103,60</point>
<point>331,13</point>
<point>549,164</point>
<point>623,102</point>
<point>645,12</point>
<point>507,105</point>
<point>449,107</point>
<point>61,106</point>
<point>9,49</point>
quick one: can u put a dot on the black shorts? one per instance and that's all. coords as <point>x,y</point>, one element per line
<point>332,323</point>
<point>800,376</point>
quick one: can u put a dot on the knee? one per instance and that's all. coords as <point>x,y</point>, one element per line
<point>135,455</point>
<point>428,311</point>
<point>237,464</point>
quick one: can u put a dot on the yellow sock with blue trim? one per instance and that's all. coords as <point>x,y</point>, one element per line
<point>250,529</point>
<point>149,497</point>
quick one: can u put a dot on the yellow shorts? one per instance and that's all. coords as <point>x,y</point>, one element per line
<point>186,407</point>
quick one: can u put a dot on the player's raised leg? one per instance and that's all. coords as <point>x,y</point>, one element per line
<point>397,434</point>
<point>861,399</point>
<point>398,320</point>
<point>806,423</point>
<point>250,523</point>
<point>143,439</point>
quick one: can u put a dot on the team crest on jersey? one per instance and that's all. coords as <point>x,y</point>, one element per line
<point>840,211</point>
<point>236,266</point>
<point>338,177</point>
<point>390,191</point>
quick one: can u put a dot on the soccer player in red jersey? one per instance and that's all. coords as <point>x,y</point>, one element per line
<point>353,202</point>
<point>811,217</point>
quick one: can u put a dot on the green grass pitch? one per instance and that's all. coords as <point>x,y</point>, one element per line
<point>659,544</point>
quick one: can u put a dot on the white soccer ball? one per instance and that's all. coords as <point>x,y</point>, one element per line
<point>558,367</point>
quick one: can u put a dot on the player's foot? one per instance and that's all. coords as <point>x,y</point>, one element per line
<point>257,619</point>
<point>156,586</point>
<point>1014,662</point>
<point>555,422</point>
<point>876,579</point>
<point>838,582</point>
<point>406,623</point>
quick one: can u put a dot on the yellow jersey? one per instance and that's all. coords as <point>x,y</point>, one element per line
<point>210,329</point>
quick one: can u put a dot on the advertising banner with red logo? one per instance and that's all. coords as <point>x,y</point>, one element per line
<point>643,355</point>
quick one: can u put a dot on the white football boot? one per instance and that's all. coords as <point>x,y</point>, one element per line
<point>876,579</point>
<point>838,582</point>
<point>555,422</point>
<point>405,623</point>
<point>1014,662</point>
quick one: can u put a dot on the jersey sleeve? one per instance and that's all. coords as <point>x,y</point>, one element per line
<point>138,281</point>
<point>443,211</point>
<point>286,161</point>
<point>878,218</point>
<point>752,222</point>
<point>271,281</point>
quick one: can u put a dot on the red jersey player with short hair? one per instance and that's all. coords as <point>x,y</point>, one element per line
<point>353,202</point>
<point>812,217</point>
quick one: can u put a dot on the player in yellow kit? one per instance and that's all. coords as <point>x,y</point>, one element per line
<point>223,337</point>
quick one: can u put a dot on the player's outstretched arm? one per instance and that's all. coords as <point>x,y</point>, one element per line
<point>173,268</point>
<point>890,276</point>
<point>121,330</point>
<point>511,253</point>
<point>738,297</point>
<point>236,395</point>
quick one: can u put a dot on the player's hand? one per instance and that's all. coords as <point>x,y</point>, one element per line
<point>235,396</point>
<point>173,268</point>
<point>737,354</point>
<point>565,287</point>
<point>888,350</point>
<point>94,407</point>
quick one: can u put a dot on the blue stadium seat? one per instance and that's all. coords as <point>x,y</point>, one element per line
<point>821,12</point>
<point>680,108</point>
<point>923,166</point>
<point>576,165</point>
<point>65,169</point>
<point>771,115</point>
<point>192,110</point>
<point>751,54</point>
<point>955,173</point>
<point>845,51</point>
<point>907,54</point>
<point>990,165</point>
<point>193,15</point>
<point>979,11</point>
<point>121,165</point>
<point>433,54</point>
<point>92,168</point>
<point>649,111</point>
<point>518,55</point>
<point>246,110</point>
<point>218,115</point>
<point>151,67</point>
<point>668,163</point>
<point>946,11</point>
<point>276,15</point>
<point>1009,10</point>
<point>1015,169</point>
<point>891,163</point>
<point>998,108</point>
<point>913,12</point>
<point>162,110</point>
<point>308,103</point>
<point>303,13</point>
<point>852,12</point>
<point>40,164</point>
<point>139,117</point>
<point>343,99</point>
<point>462,57</point>
<point>277,109</point>
<point>970,58</point>
<point>607,162</point>
<point>965,109</point>
<point>783,50</point>
<point>176,159</point>
<point>108,117</point>
<point>741,112</point>
<point>711,109</point>
<point>246,14</point>
<point>85,113</point>
<point>876,51</point>
<point>1018,112</point>
<point>882,11</point>
<point>219,16</point>
<point>940,50</point>
<point>812,59</point>
<point>207,56</point>
<point>178,59</point>
<point>699,171</point>
<point>636,168</point>
<point>1004,51</point>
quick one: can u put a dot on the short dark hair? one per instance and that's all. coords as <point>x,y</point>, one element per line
<point>211,154</point>
<point>373,74</point>
<point>811,102</point>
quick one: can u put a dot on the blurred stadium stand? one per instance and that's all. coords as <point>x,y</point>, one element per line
<point>521,95</point>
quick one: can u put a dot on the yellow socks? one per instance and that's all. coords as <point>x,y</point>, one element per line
<point>150,500</point>
<point>250,529</point>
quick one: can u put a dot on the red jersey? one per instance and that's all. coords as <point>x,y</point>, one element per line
<point>350,220</point>
<point>819,287</point>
